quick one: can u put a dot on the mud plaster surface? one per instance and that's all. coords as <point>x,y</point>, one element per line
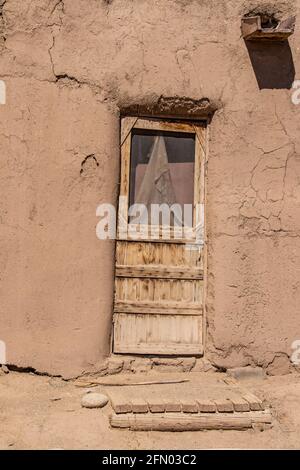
<point>46,413</point>
<point>70,68</point>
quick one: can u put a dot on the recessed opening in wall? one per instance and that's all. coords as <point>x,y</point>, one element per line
<point>267,28</point>
<point>266,39</point>
<point>159,273</point>
<point>268,21</point>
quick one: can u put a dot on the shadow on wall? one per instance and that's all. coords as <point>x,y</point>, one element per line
<point>272,63</point>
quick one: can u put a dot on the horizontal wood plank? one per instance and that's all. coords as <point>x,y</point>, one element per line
<point>158,348</point>
<point>158,334</point>
<point>159,290</point>
<point>168,126</point>
<point>189,422</point>
<point>149,253</point>
<point>158,308</point>
<point>160,272</point>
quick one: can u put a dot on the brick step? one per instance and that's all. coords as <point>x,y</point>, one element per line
<point>234,403</point>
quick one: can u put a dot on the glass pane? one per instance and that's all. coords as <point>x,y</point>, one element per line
<point>162,170</point>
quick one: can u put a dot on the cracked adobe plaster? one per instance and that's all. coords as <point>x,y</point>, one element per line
<point>71,68</point>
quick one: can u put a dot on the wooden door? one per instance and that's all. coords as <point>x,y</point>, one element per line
<point>158,305</point>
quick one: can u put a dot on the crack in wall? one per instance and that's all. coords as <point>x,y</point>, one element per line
<point>2,22</point>
<point>67,78</point>
<point>30,370</point>
<point>59,3</point>
<point>263,207</point>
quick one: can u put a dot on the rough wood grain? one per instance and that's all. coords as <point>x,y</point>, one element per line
<point>158,304</point>
<point>162,272</point>
<point>191,422</point>
<point>156,308</point>
<point>157,334</point>
<point>126,382</point>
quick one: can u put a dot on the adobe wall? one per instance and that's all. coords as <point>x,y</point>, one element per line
<point>70,67</point>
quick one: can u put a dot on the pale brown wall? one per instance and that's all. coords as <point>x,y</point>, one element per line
<point>56,277</point>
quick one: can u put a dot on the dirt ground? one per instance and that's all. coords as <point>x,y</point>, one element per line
<point>40,412</point>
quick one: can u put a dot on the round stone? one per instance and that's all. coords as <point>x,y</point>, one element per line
<point>94,400</point>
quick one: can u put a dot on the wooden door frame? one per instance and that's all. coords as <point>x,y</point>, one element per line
<point>201,130</point>
<point>197,128</point>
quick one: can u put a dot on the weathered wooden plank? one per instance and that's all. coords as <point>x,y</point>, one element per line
<point>169,126</point>
<point>157,334</point>
<point>124,188</point>
<point>151,289</point>
<point>201,136</point>
<point>189,422</point>
<point>158,348</point>
<point>162,233</point>
<point>158,253</point>
<point>121,381</point>
<point>157,308</point>
<point>162,272</point>
<point>127,124</point>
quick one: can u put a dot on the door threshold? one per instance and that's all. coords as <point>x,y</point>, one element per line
<point>139,364</point>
